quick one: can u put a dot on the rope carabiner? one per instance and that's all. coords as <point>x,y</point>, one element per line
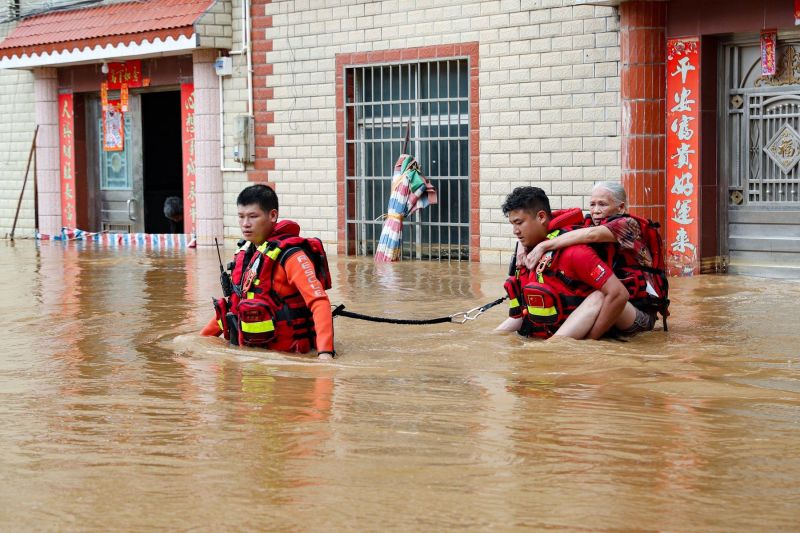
<point>463,316</point>
<point>475,312</point>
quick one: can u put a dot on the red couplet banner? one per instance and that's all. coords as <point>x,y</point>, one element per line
<point>66,129</point>
<point>769,43</point>
<point>683,160</point>
<point>189,171</point>
<point>128,73</point>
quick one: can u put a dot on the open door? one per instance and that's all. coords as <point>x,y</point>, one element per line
<point>161,156</point>
<point>116,166</point>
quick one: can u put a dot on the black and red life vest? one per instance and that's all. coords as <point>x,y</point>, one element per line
<point>648,287</point>
<point>263,317</point>
<point>545,296</point>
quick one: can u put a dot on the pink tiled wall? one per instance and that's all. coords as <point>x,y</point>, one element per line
<point>47,160</point>
<point>209,176</point>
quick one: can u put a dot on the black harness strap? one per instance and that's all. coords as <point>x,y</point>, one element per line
<point>569,282</point>
<point>286,254</point>
<point>457,317</point>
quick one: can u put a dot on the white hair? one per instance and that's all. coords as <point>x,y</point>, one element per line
<point>617,191</point>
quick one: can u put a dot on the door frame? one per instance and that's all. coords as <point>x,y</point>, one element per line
<point>134,163</point>
<point>725,150</point>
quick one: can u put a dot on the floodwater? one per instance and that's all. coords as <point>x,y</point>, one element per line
<point>115,416</point>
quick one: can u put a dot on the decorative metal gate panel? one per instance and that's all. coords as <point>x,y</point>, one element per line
<point>773,146</point>
<point>433,96</point>
<point>763,115</point>
<point>759,160</point>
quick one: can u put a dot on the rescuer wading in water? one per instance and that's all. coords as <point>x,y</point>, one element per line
<point>574,293</point>
<point>637,256</point>
<point>279,279</point>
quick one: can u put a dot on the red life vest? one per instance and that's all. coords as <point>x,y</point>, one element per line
<point>263,317</point>
<point>546,297</point>
<point>636,277</point>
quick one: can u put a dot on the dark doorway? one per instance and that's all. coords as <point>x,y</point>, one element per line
<point>163,167</point>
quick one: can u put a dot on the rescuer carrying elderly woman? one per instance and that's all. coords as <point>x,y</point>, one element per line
<point>629,244</point>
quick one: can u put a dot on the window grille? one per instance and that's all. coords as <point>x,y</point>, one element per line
<point>13,9</point>
<point>16,9</point>
<point>380,100</point>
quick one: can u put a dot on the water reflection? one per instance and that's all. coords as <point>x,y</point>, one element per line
<point>116,416</point>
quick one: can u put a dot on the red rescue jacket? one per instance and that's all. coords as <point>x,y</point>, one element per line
<point>546,296</point>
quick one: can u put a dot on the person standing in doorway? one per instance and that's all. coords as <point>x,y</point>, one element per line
<point>173,210</point>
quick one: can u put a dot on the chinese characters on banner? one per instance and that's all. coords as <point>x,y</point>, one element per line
<point>189,174</point>
<point>66,128</point>
<point>769,41</point>
<point>128,73</point>
<point>123,98</point>
<point>113,127</point>
<point>683,144</point>
<point>104,95</point>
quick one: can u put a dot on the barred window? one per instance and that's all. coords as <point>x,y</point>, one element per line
<point>429,102</point>
<point>11,11</point>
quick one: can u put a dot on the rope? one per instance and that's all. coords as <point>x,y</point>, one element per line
<point>491,304</point>
<point>339,311</point>
<point>458,318</point>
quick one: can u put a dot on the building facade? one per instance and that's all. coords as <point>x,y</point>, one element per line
<point>498,94</point>
<point>124,101</point>
<point>670,97</point>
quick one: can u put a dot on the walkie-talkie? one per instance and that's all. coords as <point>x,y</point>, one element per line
<point>231,323</point>
<point>224,277</point>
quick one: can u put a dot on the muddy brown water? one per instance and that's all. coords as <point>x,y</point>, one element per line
<point>114,415</point>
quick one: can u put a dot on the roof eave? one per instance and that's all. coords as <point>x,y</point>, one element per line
<point>87,54</point>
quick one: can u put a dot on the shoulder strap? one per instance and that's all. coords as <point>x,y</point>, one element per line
<point>315,251</point>
<point>241,260</point>
<point>565,218</point>
<point>615,217</point>
<point>289,252</point>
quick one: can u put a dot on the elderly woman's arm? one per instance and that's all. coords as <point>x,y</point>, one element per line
<point>579,236</point>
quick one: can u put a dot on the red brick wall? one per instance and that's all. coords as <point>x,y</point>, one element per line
<point>643,85</point>
<point>262,93</point>
<point>469,50</point>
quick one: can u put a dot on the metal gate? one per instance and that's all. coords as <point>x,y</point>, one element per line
<point>382,100</point>
<point>760,151</point>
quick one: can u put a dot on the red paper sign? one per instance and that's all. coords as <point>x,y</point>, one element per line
<point>129,73</point>
<point>66,128</point>
<point>104,95</point>
<point>797,12</point>
<point>769,40</point>
<point>683,161</point>
<point>123,98</point>
<point>113,127</point>
<point>189,171</point>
